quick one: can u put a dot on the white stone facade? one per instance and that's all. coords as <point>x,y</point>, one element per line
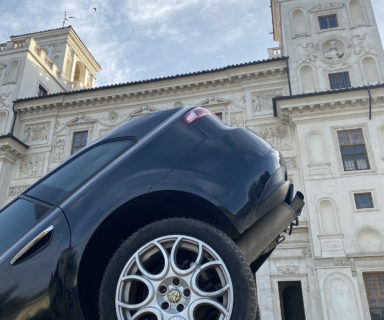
<point>336,243</point>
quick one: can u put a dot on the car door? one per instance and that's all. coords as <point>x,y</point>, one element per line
<point>34,242</point>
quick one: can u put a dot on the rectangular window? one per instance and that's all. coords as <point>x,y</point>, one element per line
<point>353,151</point>
<point>42,91</point>
<point>363,200</point>
<point>291,300</point>
<point>339,80</point>
<point>327,22</point>
<point>79,141</point>
<point>374,286</point>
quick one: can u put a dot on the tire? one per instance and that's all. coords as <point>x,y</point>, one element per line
<point>178,269</point>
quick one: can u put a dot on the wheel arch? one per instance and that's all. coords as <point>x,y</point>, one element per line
<point>126,220</point>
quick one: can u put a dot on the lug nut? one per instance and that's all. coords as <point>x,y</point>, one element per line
<point>186,292</point>
<point>176,282</point>
<point>163,289</point>
<point>165,305</point>
<point>180,307</point>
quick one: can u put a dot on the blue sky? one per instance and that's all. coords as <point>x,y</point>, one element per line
<point>142,39</point>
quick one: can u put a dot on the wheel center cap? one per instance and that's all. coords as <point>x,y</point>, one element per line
<point>174,296</point>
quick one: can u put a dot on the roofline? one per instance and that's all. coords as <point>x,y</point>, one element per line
<point>323,93</point>
<point>59,29</point>
<point>37,32</point>
<point>133,83</point>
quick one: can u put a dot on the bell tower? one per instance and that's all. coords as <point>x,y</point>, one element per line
<point>330,44</point>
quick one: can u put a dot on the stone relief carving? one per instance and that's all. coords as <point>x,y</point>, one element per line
<point>238,103</point>
<point>5,98</point>
<point>237,119</point>
<point>262,101</point>
<point>288,269</point>
<point>326,6</point>
<point>306,52</point>
<point>277,135</point>
<point>31,166</point>
<point>36,133</point>
<point>331,262</point>
<point>143,110</point>
<point>13,191</point>
<point>291,163</point>
<point>358,43</point>
<point>61,125</point>
<point>335,50</point>
<point>59,149</point>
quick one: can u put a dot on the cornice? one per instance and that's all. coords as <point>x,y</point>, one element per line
<point>155,89</point>
<point>11,148</point>
<point>331,103</point>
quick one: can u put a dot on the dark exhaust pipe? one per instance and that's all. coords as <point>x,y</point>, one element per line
<point>258,237</point>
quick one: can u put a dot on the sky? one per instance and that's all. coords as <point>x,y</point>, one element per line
<point>144,39</point>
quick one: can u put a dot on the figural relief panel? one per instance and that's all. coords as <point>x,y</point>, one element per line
<point>277,135</point>
<point>58,153</point>
<point>262,101</point>
<point>31,166</point>
<point>34,134</point>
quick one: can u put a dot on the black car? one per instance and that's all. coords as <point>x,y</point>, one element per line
<point>166,217</point>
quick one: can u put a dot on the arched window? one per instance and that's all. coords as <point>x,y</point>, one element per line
<point>307,79</point>
<point>371,74</point>
<point>13,71</point>
<point>356,12</point>
<point>327,214</point>
<point>79,72</point>
<point>3,121</point>
<point>298,19</point>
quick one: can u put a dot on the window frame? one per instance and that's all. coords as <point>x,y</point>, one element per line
<point>338,74</point>
<point>372,273</point>
<point>362,194</point>
<point>74,149</point>
<point>340,148</point>
<point>326,17</point>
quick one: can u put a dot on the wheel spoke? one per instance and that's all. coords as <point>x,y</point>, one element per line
<point>210,294</point>
<point>142,304</point>
<point>195,264</point>
<point>142,269</point>
<point>153,311</point>
<point>206,302</point>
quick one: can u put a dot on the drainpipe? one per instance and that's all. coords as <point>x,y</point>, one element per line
<point>370,103</point>
<point>289,77</point>
<point>14,119</point>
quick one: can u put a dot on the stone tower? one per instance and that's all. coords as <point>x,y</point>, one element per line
<point>41,63</point>
<point>330,44</point>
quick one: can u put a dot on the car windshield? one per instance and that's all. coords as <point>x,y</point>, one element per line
<point>72,175</point>
<point>18,218</point>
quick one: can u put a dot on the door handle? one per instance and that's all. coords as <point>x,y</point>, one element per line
<point>31,244</point>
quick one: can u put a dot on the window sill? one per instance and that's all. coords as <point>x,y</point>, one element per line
<point>330,29</point>
<point>357,172</point>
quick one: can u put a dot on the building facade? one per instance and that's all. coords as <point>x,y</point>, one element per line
<point>319,99</point>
